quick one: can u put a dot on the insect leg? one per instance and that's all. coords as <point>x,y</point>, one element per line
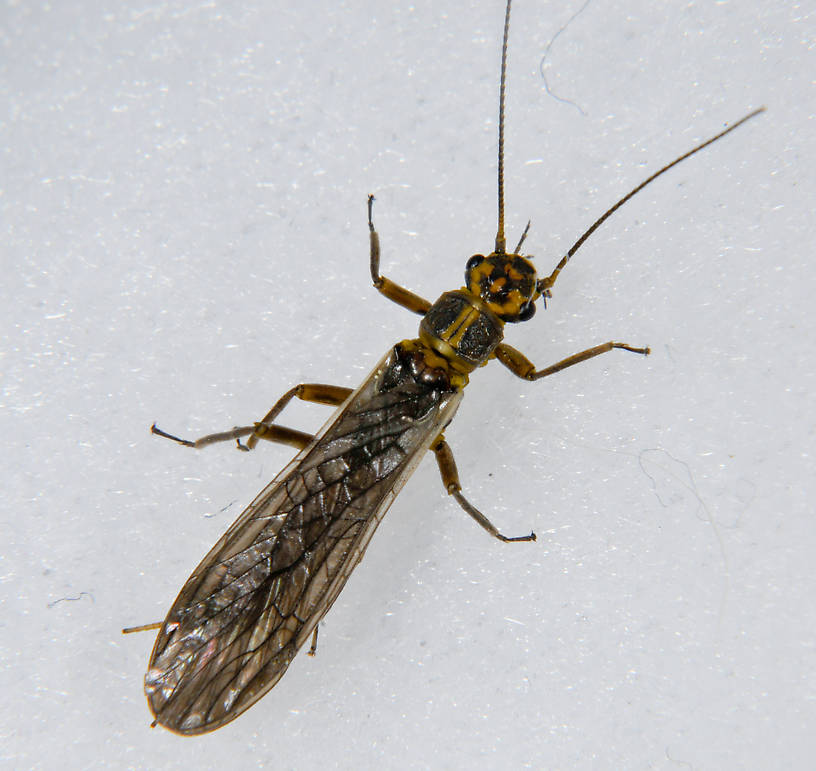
<point>318,393</point>
<point>265,429</point>
<point>520,365</point>
<point>450,478</point>
<point>313,647</point>
<point>142,628</point>
<point>392,291</point>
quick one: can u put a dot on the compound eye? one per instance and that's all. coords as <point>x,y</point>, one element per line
<point>527,311</point>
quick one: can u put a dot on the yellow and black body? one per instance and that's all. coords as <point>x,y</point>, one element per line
<point>260,592</point>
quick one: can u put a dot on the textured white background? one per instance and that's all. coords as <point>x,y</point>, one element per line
<point>184,238</point>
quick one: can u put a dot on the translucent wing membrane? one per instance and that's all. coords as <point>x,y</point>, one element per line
<point>258,595</point>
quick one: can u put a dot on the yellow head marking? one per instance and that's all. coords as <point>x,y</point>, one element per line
<point>507,283</point>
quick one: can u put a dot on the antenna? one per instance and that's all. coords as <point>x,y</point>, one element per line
<point>501,243</point>
<point>546,283</point>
